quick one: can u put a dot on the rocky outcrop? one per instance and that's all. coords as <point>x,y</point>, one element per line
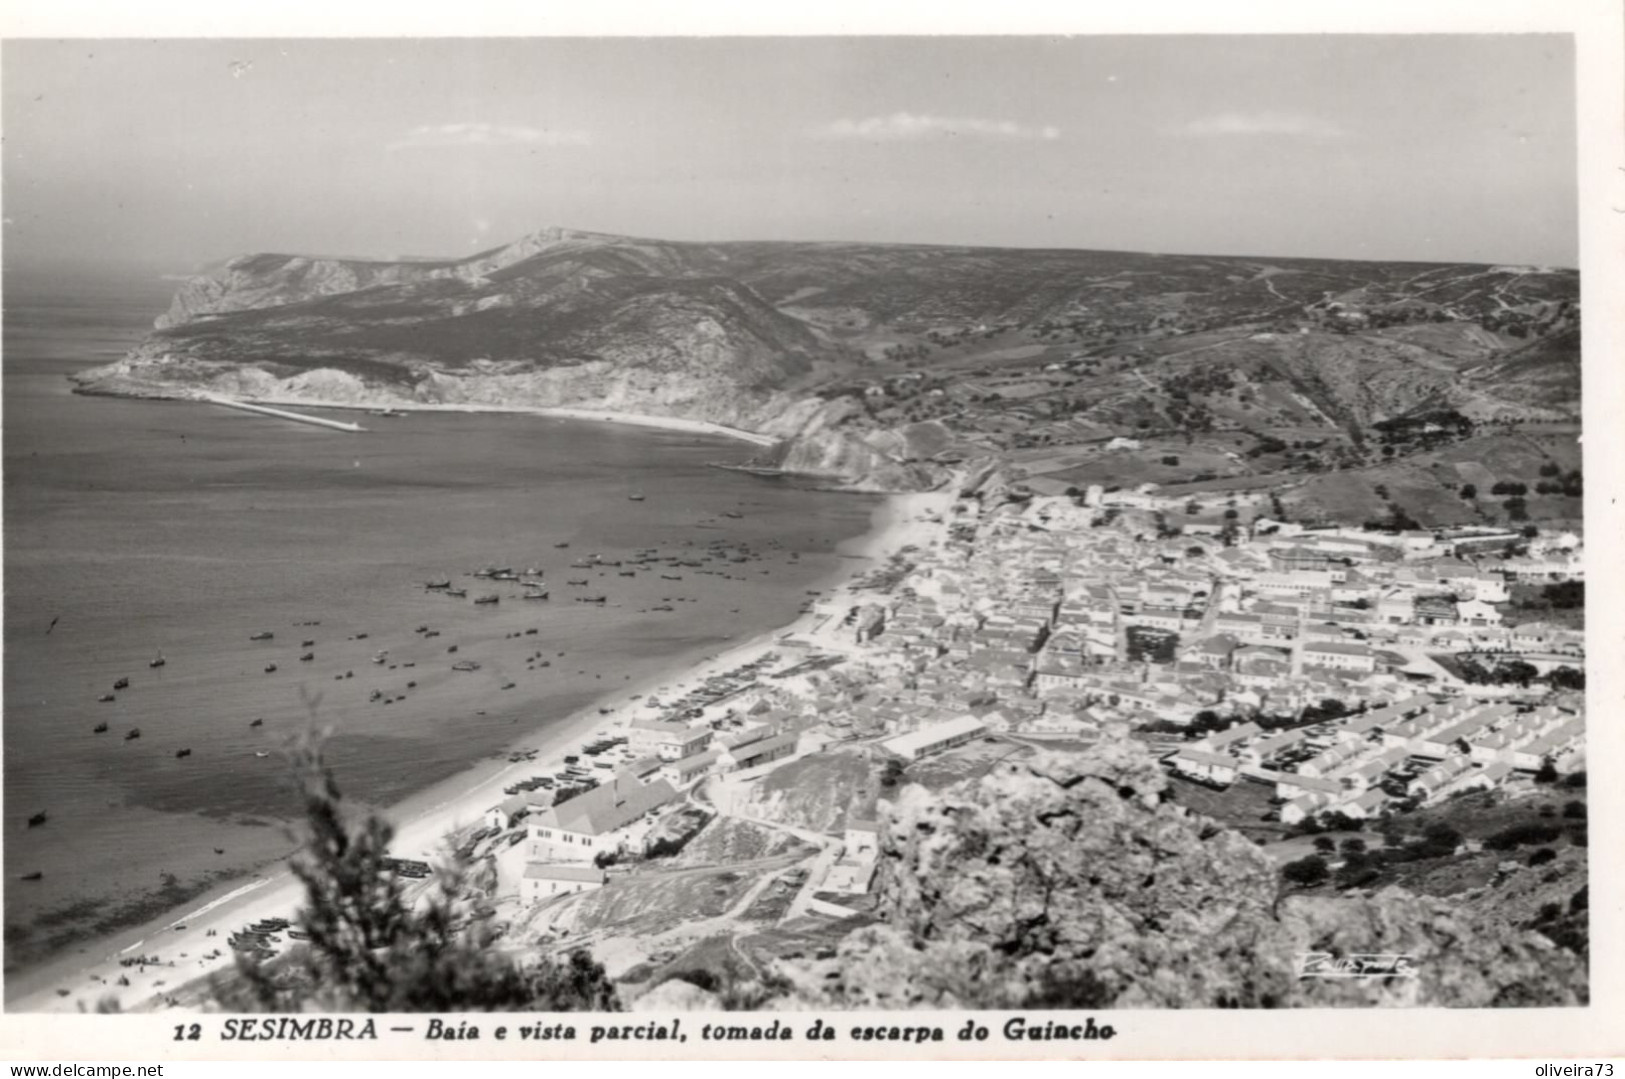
<point>1066,881</point>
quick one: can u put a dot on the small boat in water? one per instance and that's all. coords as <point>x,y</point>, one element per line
<point>38,819</point>
<point>159,662</point>
<point>122,683</point>
<point>263,635</point>
<point>132,734</point>
<point>262,753</point>
<point>35,875</point>
<point>105,697</point>
<point>307,657</point>
<point>465,665</point>
<point>179,753</point>
<point>307,644</point>
<point>732,514</point>
<point>257,723</point>
<point>536,595</point>
<point>459,592</point>
<point>270,667</point>
<point>100,728</point>
<point>636,496</point>
<point>442,583</point>
<point>491,598</point>
<point>561,545</point>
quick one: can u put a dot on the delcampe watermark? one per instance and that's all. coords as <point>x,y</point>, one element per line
<point>1356,965</point>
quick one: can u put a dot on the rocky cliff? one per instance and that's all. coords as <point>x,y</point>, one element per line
<point>1066,881</point>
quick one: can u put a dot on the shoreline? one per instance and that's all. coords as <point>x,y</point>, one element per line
<point>424,820</point>
<point>563,412</point>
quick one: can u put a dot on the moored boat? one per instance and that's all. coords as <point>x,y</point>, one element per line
<point>38,819</point>
<point>122,683</point>
<point>263,635</point>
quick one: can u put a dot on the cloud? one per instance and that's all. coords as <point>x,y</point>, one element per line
<point>906,125</point>
<point>1253,124</point>
<point>428,136</point>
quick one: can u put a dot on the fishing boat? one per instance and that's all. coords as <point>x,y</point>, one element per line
<point>159,662</point>
<point>122,683</point>
<point>263,635</point>
<point>442,583</point>
<point>307,657</point>
<point>132,734</point>
<point>38,819</point>
<point>731,513</point>
<point>489,598</point>
<point>179,753</point>
<point>100,728</point>
<point>257,723</point>
<point>307,644</point>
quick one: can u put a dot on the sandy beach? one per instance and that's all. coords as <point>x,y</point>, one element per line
<point>182,943</point>
<point>630,419</point>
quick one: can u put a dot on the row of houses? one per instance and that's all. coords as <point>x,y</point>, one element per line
<point>1422,747</point>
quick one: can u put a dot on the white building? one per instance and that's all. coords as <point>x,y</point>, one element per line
<point>543,880</point>
<point>936,738</point>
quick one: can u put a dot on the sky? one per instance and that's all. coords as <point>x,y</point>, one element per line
<point>179,153</point>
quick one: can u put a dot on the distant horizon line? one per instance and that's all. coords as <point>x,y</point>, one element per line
<point>13,261</point>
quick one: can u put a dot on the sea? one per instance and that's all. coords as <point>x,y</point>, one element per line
<point>139,531</point>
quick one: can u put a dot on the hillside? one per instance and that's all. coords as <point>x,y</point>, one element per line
<point>881,364</point>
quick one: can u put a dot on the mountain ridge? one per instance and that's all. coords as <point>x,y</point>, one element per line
<point>845,349</point>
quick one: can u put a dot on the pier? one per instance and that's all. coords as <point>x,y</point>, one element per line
<point>280,413</point>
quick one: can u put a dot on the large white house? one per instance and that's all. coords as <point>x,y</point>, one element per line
<point>590,823</point>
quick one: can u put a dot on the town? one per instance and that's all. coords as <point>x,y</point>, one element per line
<point>1344,675</point>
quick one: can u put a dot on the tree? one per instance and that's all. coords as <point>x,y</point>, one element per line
<point>1469,491</point>
<point>1305,872</point>
<point>1547,772</point>
<point>1354,845</point>
<point>371,948</point>
<point>1325,844</point>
